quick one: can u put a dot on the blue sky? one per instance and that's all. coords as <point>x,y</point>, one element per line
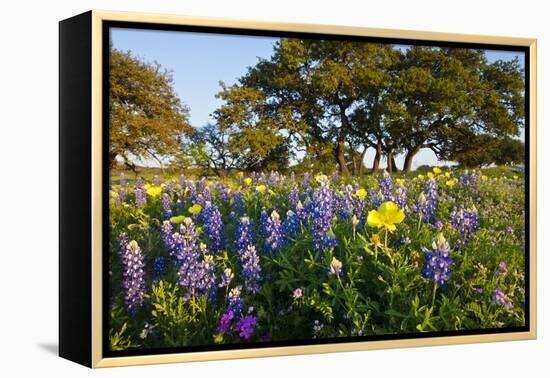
<point>199,61</point>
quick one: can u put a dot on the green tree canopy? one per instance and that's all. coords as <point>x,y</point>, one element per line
<point>146,117</point>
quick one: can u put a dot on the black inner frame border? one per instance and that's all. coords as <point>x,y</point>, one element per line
<point>107,25</point>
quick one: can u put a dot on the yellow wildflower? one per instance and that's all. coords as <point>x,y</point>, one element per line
<point>195,209</point>
<point>261,188</point>
<point>399,181</point>
<point>437,170</point>
<point>248,181</point>
<point>154,191</point>
<point>387,216</point>
<point>360,193</point>
<point>430,175</point>
<point>448,174</point>
<point>451,182</point>
<point>484,178</point>
<point>421,177</point>
<point>515,177</point>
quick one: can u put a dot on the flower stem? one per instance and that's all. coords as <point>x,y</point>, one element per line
<point>433,296</point>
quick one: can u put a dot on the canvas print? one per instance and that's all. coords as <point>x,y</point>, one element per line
<point>286,190</point>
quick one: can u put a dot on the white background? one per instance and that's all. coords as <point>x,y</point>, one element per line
<point>29,189</point>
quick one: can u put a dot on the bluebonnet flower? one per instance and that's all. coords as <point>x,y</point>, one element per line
<point>166,205</point>
<point>167,237</point>
<point>213,226</point>
<point>159,266</point>
<point>427,202</point>
<point>133,276</point>
<point>335,267</point>
<point>306,184</point>
<point>250,263</point>
<point>290,226</point>
<point>139,192</point>
<point>294,198</point>
<point>334,177</point>
<point>500,299</point>
<point>196,277</point>
<point>317,327</point>
<point>375,198</point>
<point>274,239</point>
<point>400,196</point>
<point>386,187</point>
<point>226,278</point>
<point>244,235</point>
<point>245,326</point>
<point>321,217</point>
<point>234,301</point>
<point>345,203</point>
<point>465,221</point>
<point>438,262</point>
<point>122,180</point>
<point>238,204</point>
<point>262,230</point>
<point>273,179</point>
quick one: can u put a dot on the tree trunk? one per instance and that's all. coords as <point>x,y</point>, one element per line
<point>393,165</point>
<point>389,158</point>
<point>377,157</point>
<point>407,165</point>
<point>341,158</point>
<point>361,163</point>
<point>341,143</point>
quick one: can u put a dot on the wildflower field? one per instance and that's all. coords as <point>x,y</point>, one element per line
<point>267,257</point>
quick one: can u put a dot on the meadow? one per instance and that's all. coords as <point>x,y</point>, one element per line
<point>266,257</point>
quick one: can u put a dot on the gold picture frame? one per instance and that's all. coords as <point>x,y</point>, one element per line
<point>91,24</point>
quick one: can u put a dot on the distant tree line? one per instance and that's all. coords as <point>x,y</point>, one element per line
<point>319,104</point>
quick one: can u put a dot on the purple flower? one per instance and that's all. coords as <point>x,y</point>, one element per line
<point>438,262</point>
<point>274,239</point>
<point>294,197</point>
<point>245,326</point>
<point>297,294</point>
<point>238,204</point>
<point>225,322</point>
<point>306,185</point>
<point>321,217</point>
<point>501,269</point>
<point>158,265</point>
<point>427,202</point>
<point>375,198</point>
<point>262,231</point>
<point>139,192</point>
<point>133,275</point>
<point>226,278</point>
<point>386,187</point>
<point>167,236</point>
<point>244,235</point>
<point>345,204</point>
<point>234,301</point>
<point>465,222</point>
<point>500,299</point>
<point>290,226</point>
<point>166,205</point>
<point>250,263</point>
<point>213,226</point>
<point>156,181</point>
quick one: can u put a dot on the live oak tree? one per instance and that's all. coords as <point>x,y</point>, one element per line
<point>146,117</point>
<point>442,98</point>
